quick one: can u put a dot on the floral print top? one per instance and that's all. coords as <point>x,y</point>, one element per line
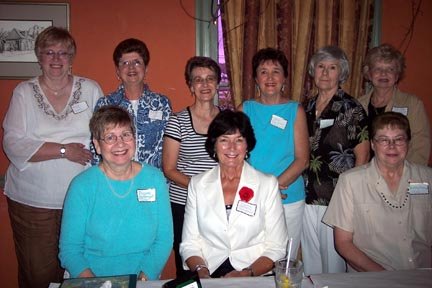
<point>152,117</point>
<point>332,137</point>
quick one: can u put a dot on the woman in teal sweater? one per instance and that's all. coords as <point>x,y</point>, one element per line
<point>117,217</point>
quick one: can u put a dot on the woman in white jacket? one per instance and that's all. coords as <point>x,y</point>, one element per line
<point>234,223</point>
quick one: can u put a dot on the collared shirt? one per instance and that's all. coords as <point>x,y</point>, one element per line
<point>150,121</point>
<point>333,136</point>
<point>393,229</point>
<point>412,107</point>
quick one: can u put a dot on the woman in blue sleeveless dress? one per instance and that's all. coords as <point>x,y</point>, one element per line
<point>280,128</point>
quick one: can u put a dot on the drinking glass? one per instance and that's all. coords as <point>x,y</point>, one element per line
<point>291,277</point>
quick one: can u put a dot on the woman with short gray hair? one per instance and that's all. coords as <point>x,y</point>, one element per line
<point>338,139</point>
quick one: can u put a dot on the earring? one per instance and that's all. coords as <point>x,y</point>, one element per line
<point>283,88</point>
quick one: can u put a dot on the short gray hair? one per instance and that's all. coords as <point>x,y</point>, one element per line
<point>331,53</point>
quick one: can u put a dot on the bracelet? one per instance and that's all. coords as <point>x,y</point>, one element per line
<point>199,267</point>
<point>250,270</point>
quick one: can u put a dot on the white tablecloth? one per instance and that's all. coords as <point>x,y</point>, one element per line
<point>388,279</point>
<point>421,278</point>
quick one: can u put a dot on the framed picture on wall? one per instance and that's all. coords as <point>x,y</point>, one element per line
<point>20,23</point>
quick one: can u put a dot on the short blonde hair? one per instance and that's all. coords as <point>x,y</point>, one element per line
<point>52,36</point>
<point>386,53</point>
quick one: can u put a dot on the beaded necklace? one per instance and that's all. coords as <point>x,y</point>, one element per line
<point>393,205</point>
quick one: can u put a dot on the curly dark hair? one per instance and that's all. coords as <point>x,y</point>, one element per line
<point>272,54</point>
<point>131,45</point>
<point>229,122</point>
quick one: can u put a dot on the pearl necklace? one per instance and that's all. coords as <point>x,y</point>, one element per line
<point>131,185</point>
<point>393,205</point>
<point>56,92</point>
<point>115,192</point>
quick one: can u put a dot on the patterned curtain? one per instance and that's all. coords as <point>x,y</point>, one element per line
<point>299,28</point>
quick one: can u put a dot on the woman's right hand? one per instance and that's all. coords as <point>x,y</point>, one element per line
<point>204,273</point>
<point>76,152</point>
<point>87,273</point>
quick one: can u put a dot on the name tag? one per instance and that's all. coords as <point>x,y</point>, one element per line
<point>278,122</point>
<point>79,107</point>
<point>155,115</point>
<point>194,284</point>
<point>324,123</point>
<point>401,110</point>
<point>418,188</point>
<point>246,208</point>
<point>146,195</point>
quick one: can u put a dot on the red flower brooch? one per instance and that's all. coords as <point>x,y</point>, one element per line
<point>246,194</point>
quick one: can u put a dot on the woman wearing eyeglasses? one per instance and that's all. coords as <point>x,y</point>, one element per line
<point>384,67</point>
<point>46,139</point>
<point>184,154</point>
<point>382,211</point>
<point>150,111</point>
<point>117,216</point>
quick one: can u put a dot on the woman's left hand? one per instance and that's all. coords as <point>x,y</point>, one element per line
<point>76,152</point>
<point>235,273</point>
<point>142,276</point>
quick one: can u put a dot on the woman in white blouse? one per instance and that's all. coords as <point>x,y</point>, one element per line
<point>46,137</point>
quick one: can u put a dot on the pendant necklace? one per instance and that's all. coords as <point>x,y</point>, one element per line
<point>56,92</point>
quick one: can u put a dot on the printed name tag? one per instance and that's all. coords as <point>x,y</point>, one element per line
<point>155,115</point>
<point>324,123</point>
<point>146,195</point>
<point>194,284</point>
<point>79,107</point>
<point>418,188</point>
<point>278,122</point>
<point>401,110</point>
<point>246,208</point>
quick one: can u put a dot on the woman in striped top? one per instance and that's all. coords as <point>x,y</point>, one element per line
<point>184,154</point>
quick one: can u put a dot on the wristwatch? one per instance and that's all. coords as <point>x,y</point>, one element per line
<point>199,267</point>
<point>62,151</point>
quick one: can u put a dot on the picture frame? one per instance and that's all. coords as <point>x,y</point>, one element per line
<point>118,281</point>
<point>20,23</point>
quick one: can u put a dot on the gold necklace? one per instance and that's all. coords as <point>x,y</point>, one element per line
<point>56,92</point>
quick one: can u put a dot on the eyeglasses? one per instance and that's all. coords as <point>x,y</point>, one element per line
<point>384,141</point>
<point>208,80</point>
<point>63,55</point>
<point>388,70</point>
<point>126,136</point>
<point>131,63</point>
